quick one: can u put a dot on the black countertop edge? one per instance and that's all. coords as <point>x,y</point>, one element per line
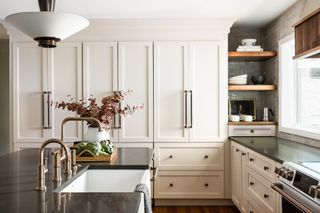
<point>256,150</point>
<point>279,149</point>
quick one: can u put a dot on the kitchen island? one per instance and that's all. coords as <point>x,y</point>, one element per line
<point>19,176</point>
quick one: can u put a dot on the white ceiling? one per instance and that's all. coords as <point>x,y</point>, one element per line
<point>249,11</point>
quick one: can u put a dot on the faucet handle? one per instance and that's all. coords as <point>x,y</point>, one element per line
<point>45,164</point>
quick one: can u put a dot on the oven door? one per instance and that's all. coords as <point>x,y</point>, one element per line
<point>293,201</point>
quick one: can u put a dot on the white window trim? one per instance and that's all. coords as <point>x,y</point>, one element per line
<point>283,128</point>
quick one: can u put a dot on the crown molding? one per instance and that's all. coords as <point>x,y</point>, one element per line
<point>145,29</point>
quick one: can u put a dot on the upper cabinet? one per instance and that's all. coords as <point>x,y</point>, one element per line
<point>112,66</point>
<point>43,76</point>
<point>100,72</point>
<point>187,91</point>
<point>171,91</point>
<point>307,36</point>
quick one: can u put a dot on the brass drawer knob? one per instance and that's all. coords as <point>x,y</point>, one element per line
<point>171,156</point>
<point>171,184</point>
<point>251,183</point>
<point>266,196</point>
<point>206,156</point>
<point>251,159</point>
<point>265,168</point>
<point>206,185</point>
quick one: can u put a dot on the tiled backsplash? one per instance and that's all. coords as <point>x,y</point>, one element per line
<point>299,139</point>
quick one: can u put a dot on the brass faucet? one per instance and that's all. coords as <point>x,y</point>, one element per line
<point>61,155</point>
<point>42,170</point>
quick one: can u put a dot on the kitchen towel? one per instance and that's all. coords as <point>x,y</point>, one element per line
<point>143,188</point>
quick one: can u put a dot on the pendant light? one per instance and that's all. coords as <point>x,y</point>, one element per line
<point>47,27</point>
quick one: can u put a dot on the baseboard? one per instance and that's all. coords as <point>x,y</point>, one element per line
<point>193,202</point>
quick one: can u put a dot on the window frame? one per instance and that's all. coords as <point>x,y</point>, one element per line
<point>283,126</point>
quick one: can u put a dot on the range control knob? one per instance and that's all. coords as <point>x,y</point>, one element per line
<point>318,193</point>
<point>282,171</point>
<point>289,175</point>
<point>313,190</point>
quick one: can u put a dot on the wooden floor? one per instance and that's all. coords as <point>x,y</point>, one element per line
<point>195,209</point>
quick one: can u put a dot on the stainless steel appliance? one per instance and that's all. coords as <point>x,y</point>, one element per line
<point>299,187</point>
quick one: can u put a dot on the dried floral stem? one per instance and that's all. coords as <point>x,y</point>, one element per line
<point>110,106</point>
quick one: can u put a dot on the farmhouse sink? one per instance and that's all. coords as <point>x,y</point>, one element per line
<point>106,180</point>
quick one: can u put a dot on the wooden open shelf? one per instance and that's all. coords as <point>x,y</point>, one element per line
<point>242,123</point>
<point>251,56</point>
<point>252,87</point>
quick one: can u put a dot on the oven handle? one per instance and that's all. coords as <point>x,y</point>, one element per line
<point>278,188</point>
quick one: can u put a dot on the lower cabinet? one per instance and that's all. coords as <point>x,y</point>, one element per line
<point>251,178</point>
<point>189,171</point>
<point>189,184</point>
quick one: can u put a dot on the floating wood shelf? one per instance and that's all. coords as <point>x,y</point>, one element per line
<point>251,56</point>
<point>252,87</point>
<point>242,123</point>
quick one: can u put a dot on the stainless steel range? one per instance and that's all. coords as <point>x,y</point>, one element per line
<point>299,187</point>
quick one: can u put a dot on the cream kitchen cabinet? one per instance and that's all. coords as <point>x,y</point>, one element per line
<point>251,178</point>
<point>192,171</point>
<point>187,91</point>
<point>41,76</point>
<point>112,66</point>
<point>239,176</point>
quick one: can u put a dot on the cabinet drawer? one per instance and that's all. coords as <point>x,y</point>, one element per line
<point>189,184</point>
<point>260,189</point>
<point>250,130</point>
<point>253,207</point>
<point>191,158</point>
<point>262,165</point>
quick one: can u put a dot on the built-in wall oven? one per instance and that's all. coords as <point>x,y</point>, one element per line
<point>299,187</point>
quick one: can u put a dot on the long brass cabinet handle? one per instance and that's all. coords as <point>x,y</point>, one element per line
<point>185,109</point>
<point>49,108</point>
<point>191,110</point>
<point>46,106</point>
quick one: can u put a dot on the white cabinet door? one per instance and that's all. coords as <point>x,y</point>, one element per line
<point>236,184</point>
<point>100,72</point>
<point>65,79</point>
<point>170,84</point>
<point>29,72</point>
<point>136,72</point>
<point>204,91</point>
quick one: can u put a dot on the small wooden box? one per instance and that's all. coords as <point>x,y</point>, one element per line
<point>97,158</point>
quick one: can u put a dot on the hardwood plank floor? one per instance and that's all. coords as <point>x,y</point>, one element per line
<point>195,209</point>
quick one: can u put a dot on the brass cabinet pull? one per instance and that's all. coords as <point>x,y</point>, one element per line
<point>251,183</point>
<point>185,109</point>
<point>46,106</point>
<point>171,156</point>
<point>206,156</point>
<point>171,184</point>
<point>265,168</point>
<point>191,111</point>
<point>266,196</point>
<point>206,184</point>
<point>251,159</point>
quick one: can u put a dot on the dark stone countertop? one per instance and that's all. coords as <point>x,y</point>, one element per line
<point>18,179</point>
<point>279,149</point>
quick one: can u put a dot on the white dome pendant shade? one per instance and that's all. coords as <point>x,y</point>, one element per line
<point>47,27</point>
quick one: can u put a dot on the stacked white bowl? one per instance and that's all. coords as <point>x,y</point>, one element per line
<point>239,79</point>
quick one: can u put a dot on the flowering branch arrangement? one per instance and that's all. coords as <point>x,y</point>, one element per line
<point>104,111</point>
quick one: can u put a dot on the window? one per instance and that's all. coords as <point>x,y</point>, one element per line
<point>299,85</point>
